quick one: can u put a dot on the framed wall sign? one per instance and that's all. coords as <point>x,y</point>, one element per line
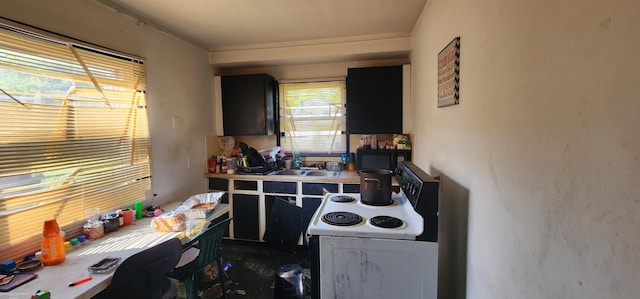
<point>449,74</point>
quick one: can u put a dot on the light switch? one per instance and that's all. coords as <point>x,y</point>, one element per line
<point>176,122</point>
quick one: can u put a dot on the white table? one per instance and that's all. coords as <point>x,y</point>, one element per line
<point>123,243</point>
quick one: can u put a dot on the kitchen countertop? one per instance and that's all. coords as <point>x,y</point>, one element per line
<point>345,177</point>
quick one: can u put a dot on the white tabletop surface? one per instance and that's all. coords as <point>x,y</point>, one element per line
<point>123,243</point>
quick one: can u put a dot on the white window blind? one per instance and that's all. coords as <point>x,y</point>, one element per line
<point>312,117</point>
<point>74,135</point>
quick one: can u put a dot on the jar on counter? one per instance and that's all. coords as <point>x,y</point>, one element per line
<point>211,165</point>
<point>231,165</point>
<point>223,168</point>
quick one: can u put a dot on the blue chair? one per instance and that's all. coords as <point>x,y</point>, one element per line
<point>210,244</point>
<point>142,274</point>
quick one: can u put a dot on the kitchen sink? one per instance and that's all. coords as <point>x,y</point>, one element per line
<point>304,172</point>
<point>290,172</point>
<point>329,173</point>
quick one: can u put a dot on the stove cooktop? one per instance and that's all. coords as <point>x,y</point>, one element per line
<point>410,227</point>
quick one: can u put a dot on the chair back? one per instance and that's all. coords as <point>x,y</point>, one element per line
<point>141,275</point>
<point>210,243</point>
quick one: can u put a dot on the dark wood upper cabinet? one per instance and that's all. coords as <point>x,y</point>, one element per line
<point>248,104</point>
<point>374,100</point>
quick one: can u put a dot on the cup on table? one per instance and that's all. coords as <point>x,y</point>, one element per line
<point>127,216</point>
<point>138,206</point>
<point>287,164</point>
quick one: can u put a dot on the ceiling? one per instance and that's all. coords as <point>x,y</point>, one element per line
<point>239,25</point>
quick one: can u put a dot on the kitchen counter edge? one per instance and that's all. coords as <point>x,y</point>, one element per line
<point>346,177</point>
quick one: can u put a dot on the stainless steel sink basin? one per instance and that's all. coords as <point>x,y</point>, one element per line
<point>305,172</point>
<point>326,173</point>
<point>290,172</point>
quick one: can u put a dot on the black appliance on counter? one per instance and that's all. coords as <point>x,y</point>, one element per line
<point>388,259</point>
<point>381,158</point>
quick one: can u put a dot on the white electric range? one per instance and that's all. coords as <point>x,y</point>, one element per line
<point>343,214</point>
<point>365,251</point>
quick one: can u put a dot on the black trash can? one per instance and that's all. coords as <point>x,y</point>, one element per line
<point>289,283</point>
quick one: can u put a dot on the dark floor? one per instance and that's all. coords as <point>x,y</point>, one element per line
<point>253,269</point>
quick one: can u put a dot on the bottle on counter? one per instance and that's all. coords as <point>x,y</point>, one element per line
<point>351,162</point>
<point>52,244</point>
<point>224,166</point>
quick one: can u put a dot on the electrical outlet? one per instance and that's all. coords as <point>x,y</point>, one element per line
<point>176,122</point>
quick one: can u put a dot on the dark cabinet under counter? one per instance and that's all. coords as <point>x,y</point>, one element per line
<point>351,188</point>
<point>245,217</point>
<point>319,188</point>
<point>279,187</point>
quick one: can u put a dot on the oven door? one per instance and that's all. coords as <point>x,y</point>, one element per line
<point>352,267</point>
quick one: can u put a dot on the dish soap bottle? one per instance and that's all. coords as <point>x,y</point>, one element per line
<point>52,244</point>
<point>297,161</point>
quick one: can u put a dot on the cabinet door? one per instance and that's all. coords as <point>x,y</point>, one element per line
<point>374,100</point>
<point>245,217</point>
<point>248,104</point>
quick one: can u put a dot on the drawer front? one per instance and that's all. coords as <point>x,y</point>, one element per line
<point>318,188</point>
<point>279,187</point>
<point>218,184</point>
<point>351,188</point>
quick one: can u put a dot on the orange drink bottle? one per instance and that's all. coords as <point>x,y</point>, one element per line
<point>52,244</point>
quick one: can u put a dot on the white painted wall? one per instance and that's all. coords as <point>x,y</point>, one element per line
<point>540,161</point>
<point>178,78</point>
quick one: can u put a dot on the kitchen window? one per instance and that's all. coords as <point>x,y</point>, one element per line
<point>313,118</point>
<point>74,134</point>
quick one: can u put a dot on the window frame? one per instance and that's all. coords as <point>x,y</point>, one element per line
<point>281,118</point>
<point>126,74</point>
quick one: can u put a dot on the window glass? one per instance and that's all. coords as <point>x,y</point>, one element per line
<point>74,136</point>
<point>312,117</point>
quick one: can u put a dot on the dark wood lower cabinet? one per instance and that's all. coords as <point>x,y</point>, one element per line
<point>319,188</point>
<point>351,188</point>
<point>245,217</point>
<point>309,207</point>
<point>280,199</point>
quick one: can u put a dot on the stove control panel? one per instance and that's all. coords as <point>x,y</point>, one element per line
<point>423,192</point>
<point>410,183</point>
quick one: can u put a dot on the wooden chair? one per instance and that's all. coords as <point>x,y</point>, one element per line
<point>209,244</point>
<point>141,275</point>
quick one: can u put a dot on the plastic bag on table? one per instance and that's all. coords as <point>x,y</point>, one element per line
<point>170,222</point>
